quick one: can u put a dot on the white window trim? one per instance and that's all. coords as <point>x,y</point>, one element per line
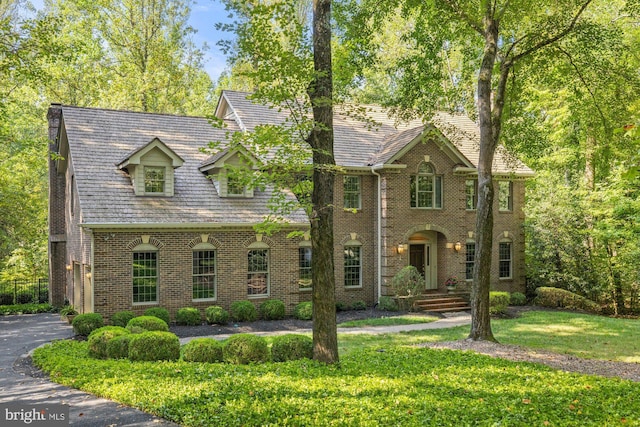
<point>353,244</point>
<point>146,248</point>
<point>345,192</point>
<point>510,277</point>
<point>509,196</point>
<point>258,247</point>
<point>201,248</point>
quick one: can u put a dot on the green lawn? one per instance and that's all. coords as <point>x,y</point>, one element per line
<point>406,319</point>
<point>381,380</point>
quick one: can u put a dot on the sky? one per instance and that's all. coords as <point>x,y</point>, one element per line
<point>204,16</point>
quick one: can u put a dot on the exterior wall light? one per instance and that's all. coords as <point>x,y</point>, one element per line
<point>402,248</point>
<point>69,267</point>
<point>457,246</point>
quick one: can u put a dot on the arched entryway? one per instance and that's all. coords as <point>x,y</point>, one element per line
<point>423,255</point>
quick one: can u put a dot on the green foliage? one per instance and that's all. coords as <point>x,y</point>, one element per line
<point>205,350</point>
<point>272,309</point>
<point>84,324</point>
<point>243,311</point>
<point>26,309</point>
<point>188,316</point>
<point>387,303</point>
<point>341,306</point>
<point>423,386</point>
<point>518,298</point>
<point>99,339</point>
<point>68,310</point>
<point>159,312</point>
<point>154,345</point>
<point>291,347</point>
<point>407,281</point>
<point>118,347</point>
<point>242,349</point>
<point>388,321</point>
<point>498,302</point>
<point>24,298</point>
<point>121,318</point>
<point>359,305</point>
<point>216,315</point>
<point>303,311</point>
<point>560,298</point>
<point>147,323</point>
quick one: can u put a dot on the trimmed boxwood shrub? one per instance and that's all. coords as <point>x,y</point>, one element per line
<point>24,298</point>
<point>242,349</point>
<point>159,312</point>
<point>205,350</point>
<point>303,311</point>
<point>147,323</point>
<point>118,347</point>
<point>121,318</point>
<point>99,339</point>
<point>243,311</point>
<point>84,324</point>
<point>154,345</point>
<point>6,299</point>
<point>498,302</point>
<point>188,316</point>
<point>291,347</point>
<point>518,298</point>
<point>216,315</point>
<point>560,298</point>
<point>387,304</point>
<point>359,305</point>
<point>273,309</point>
<point>340,306</point>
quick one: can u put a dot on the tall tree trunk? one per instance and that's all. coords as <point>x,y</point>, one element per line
<point>325,340</point>
<point>480,317</point>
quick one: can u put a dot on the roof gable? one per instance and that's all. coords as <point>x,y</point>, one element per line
<point>136,156</point>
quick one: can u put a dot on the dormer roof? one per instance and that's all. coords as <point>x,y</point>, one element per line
<point>135,157</point>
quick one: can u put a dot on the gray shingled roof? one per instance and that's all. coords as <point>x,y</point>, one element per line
<point>359,145</point>
<point>99,139</point>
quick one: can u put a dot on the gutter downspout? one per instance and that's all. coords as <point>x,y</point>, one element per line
<point>375,168</point>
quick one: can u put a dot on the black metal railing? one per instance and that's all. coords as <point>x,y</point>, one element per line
<point>24,292</point>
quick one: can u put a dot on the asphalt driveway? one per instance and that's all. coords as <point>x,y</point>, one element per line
<point>21,334</point>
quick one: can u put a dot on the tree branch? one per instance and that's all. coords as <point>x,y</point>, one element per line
<point>553,39</point>
<point>477,26</point>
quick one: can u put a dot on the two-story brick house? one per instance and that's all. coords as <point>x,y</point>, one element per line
<point>140,216</point>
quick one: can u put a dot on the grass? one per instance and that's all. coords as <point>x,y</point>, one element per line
<point>381,380</point>
<point>388,321</point>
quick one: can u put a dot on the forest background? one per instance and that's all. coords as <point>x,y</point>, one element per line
<point>572,113</point>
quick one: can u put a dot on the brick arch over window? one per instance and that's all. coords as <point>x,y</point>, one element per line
<point>427,227</point>
<point>351,238</point>
<point>146,242</point>
<point>253,241</point>
<point>206,239</point>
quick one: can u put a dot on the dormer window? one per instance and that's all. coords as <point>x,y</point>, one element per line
<point>234,186</point>
<point>154,179</point>
<point>151,169</point>
<point>226,170</point>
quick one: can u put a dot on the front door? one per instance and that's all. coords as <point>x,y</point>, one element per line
<point>421,257</point>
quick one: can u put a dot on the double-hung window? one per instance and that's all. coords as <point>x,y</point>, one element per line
<point>258,272</point>
<point>470,260</point>
<point>154,179</point>
<point>304,266</point>
<point>505,196</point>
<point>352,266</point>
<point>351,186</point>
<point>145,277</point>
<point>426,188</point>
<point>204,274</point>
<point>471,194</point>
<point>505,260</point>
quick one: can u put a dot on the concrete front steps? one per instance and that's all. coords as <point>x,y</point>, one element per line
<point>440,303</point>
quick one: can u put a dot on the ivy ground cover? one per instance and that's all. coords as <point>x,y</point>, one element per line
<point>377,385</point>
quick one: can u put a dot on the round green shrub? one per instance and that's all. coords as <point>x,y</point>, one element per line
<point>359,305</point>
<point>205,350</point>
<point>407,281</point>
<point>99,338</point>
<point>24,298</point>
<point>84,324</point>
<point>121,318</point>
<point>118,347</point>
<point>242,349</point>
<point>387,304</point>
<point>154,345</point>
<point>498,302</point>
<point>273,309</point>
<point>291,347</point>
<point>216,315</point>
<point>188,316</point>
<point>556,297</point>
<point>159,312</point>
<point>147,323</point>
<point>303,311</point>
<point>518,298</point>
<point>340,306</point>
<point>243,311</point>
